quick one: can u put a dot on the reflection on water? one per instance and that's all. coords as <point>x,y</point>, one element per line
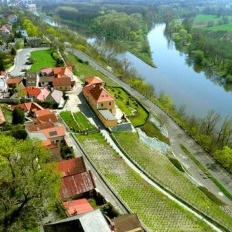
<point>188,85</point>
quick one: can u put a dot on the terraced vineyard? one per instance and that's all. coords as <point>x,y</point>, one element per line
<point>161,169</point>
<point>155,210</point>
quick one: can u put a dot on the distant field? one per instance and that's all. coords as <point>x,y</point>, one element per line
<point>42,59</point>
<point>201,21</point>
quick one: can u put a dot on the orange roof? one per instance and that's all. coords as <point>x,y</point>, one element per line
<point>99,94</point>
<point>56,131</point>
<point>62,81</point>
<point>47,70</point>
<point>62,70</point>
<point>72,166</point>
<point>28,106</point>
<point>94,80</point>
<point>39,126</point>
<point>32,91</point>
<point>77,207</point>
<point>12,81</point>
<point>45,115</point>
<point>43,112</point>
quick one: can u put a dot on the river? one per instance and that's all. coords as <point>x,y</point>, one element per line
<point>197,93</point>
<point>173,76</point>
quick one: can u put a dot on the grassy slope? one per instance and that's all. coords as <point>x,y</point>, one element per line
<point>42,59</point>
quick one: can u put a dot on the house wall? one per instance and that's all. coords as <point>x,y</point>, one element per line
<point>62,88</point>
<point>107,123</point>
<point>57,140</point>
<point>110,105</point>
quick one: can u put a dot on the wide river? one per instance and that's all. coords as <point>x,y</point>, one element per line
<point>174,77</point>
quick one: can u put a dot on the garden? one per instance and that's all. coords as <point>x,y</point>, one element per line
<point>159,167</point>
<point>155,210</point>
<point>77,122</point>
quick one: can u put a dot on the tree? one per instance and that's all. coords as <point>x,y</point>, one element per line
<point>28,183</point>
<point>18,116</point>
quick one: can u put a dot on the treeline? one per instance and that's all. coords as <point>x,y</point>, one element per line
<point>207,49</point>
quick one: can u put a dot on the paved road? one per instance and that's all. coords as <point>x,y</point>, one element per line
<point>177,136</point>
<point>20,60</point>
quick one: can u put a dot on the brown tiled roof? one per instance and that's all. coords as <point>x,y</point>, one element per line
<point>32,92</point>
<point>12,81</point>
<point>46,115</point>
<point>28,106</point>
<point>76,184</point>
<point>127,222</point>
<point>77,207</point>
<point>94,80</point>
<point>54,132</point>
<point>72,166</point>
<point>39,126</point>
<point>62,81</point>
<point>99,94</point>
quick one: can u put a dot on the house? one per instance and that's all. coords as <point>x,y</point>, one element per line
<point>62,83</point>
<point>102,103</point>
<point>45,81</point>
<point>34,41</point>
<point>77,207</point>
<point>94,81</point>
<point>22,33</point>
<point>63,71</point>
<point>4,31</point>
<point>45,115</point>
<point>53,134</point>
<point>39,94</point>
<point>93,221</point>
<point>12,18</point>
<point>77,185</point>
<point>56,96</point>
<point>127,222</point>
<point>2,117</point>
<point>32,80</point>
<point>28,107</point>
<point>3,78</point>
<point>72,166</point>
<point>13,82</point>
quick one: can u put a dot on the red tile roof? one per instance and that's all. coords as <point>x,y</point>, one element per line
<point>99,94</point>
<point>32,91</point>
<point>40,126</point>
<point>45,115</point>
<point>94,80</point>
<point>77,207</point>
<point>28,106</point>
<point>14,81</point>
<point>76,184</point>
<point>54,132</point>
<point>72,166</point>
<point>62,81</point>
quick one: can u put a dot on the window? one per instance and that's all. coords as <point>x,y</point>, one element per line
<point>109,103</point>
<point>101,104</point>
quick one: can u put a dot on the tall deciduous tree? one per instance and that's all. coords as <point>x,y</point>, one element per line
<point>28,183</point>
<point>18,116</point>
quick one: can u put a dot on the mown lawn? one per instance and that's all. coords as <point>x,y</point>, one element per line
<point>129,105</point>
<point>84,70</point>
<point>41,59</point>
